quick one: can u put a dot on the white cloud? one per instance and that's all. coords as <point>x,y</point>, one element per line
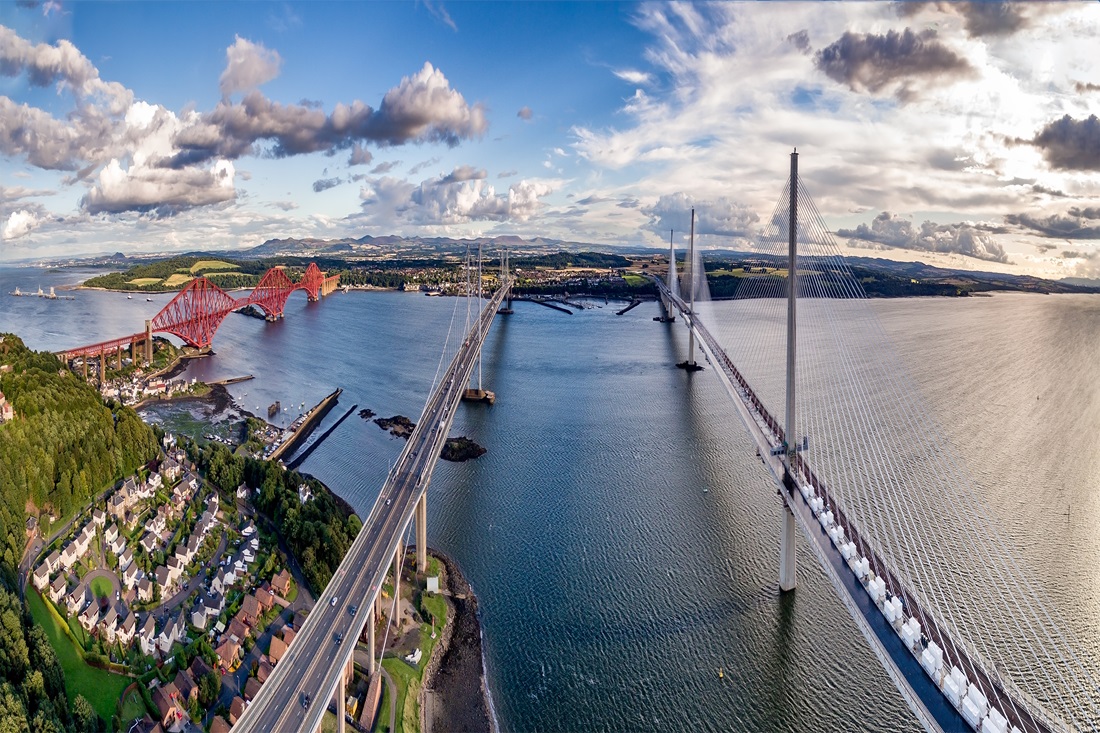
<point>161,190</point>
<point>248,65</point>
<point>19,224</point>
<point>633,76</point>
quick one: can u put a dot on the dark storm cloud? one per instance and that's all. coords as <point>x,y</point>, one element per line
<point>872,62</point>
<point>800,40</point>
<point>1075,224</point>
<point>1071,144</point>
<point>890,230</point>
<point>979,18</point>
<point>1072,254</point>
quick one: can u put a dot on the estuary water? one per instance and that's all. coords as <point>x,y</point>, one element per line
<point>620,533</point>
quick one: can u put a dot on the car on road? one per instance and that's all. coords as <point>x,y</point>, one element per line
<point>305,699</point>
<point>334,600</point>
<point>352,609</point>
<point>338,638</point>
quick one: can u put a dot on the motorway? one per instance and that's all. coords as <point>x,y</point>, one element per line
<point>313,665</point>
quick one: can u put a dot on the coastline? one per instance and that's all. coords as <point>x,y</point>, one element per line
<point>455,696</point>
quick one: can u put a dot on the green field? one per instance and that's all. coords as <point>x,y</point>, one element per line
<point>176,279</point>
<point>634,280</point>
<point>101,688</point>
<point>139,281</point>
<point>101,587</point>
<point>202,265</point>
<point>132,707</point>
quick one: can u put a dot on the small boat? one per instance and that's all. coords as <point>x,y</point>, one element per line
<point>148,300</point>
<point>129,297</point>
<point>721,675</point>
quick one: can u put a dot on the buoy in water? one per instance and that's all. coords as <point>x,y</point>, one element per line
<point>720,674</point>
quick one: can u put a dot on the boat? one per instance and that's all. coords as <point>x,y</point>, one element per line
<point>129,297</point>
<point>721,675</point>
<point>148,300</point>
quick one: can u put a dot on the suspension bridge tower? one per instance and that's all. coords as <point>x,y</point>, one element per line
<point>787,576</point>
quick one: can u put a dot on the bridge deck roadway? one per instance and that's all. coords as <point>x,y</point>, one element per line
<point>313,664</point>
<point>922,694</point>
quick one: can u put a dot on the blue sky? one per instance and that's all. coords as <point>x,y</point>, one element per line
<point>956,134</point>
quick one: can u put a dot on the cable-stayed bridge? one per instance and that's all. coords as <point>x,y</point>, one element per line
<point>316,666</point>
<point>866,475</point>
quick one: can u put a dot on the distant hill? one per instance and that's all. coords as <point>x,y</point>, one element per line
<point>411,246</point>
<point>1081,281</point>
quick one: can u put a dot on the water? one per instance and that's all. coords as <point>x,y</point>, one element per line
<point>612,586</point>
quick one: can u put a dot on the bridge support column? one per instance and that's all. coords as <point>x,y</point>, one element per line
<point>102,367</point>
<point>85,360</point>
<point>341,705</point>
<point>422,533</point>
<point>148,342</point>
<point>397,585</point>
<point>372,622</point>
<point>787,578</point>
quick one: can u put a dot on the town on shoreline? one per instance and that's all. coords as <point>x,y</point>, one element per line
<point>170,596</point>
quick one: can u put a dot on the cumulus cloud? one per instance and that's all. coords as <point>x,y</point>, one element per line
<point>439,201</point>
<point>384,167</point>
<point>633,76</point>
<point>1077,223</point>
<point>871,61</point>
<point>721,216</point>
<point>524,113</point>
<point>248,65</point>
<point>1071,144</point>
<point>325,184</point>
<point>64,63</point>
<point>890,230</point>
<point>360,155</point>
<point>159,190</point>
<point>800,40</point>
<point>421,108</point>
<point>465,173</point>
<point>19,224</point>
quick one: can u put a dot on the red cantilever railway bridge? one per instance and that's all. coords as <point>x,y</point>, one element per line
<point>197,310</point>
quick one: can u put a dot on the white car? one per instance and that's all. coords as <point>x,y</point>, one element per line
<point>334,600</point>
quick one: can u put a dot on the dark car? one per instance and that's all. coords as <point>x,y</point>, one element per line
<point>352,609</point>
<point>338,637</point>
<point>305,699</point>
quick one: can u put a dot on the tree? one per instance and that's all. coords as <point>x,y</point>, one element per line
<point>13,716</point>
<point>85,718</point>
<point>209,687</point>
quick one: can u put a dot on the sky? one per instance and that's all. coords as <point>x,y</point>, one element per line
<point>958,134</point>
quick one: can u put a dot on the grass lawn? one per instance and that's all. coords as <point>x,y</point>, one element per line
<point>292,593</point>
<point>101,587</point>
<point>176,279</point>
<point>436,606</point>
<point>132,707</point>
<point>634,280</point>
<point>328,723</point>
<point>144,281</point>
<point>101,688</point>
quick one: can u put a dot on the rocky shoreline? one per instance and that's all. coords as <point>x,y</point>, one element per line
<point>455,696</point>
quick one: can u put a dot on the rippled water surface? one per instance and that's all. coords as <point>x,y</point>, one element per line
<point>620,534</point>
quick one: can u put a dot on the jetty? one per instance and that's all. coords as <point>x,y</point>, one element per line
<point>305,425</point>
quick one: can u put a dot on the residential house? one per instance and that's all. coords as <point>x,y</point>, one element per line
<point>57,588</point>
<point>130,574</point>
<point>217,583</point>
<point>188,687</point>
<point>90,617</point>
<point>172,632</point>
<point>265,599</point>
<point>164,698</point>
<point>125,560</point>
<point>111,532</point>
<point>280,582</point>
<point>156,524</point>
<point>170,469</point>
<point>108,623</point>
<point>154,484</point>
<point>198,616</point>
<point>117,545</point>
<point>145,590</point>
<point>277,649</point>
<point>229,652</point>
<point>191,481</point>
<point>148,636</point>
<point>304,493</point>
<point>99,517</point>
<point>237,629</point>
<point>288,635</point>
<point>249,529</point>
<point>164,581</point>
<point>236,710</point>
<point>41,576</point>
<point>175,568</point>
<point>150,542</point>
<point>53,561</point>
<point>265,669</point>
<point>243,491</point>
<point>127,629</point>
<point>116,505</point>
<point>250,610</point>
<point>219,725</point>
<point>75,601</point>
<point>248,555</point>
<point>199,668</point>
<point>251,688</point>
<point>69,556</point>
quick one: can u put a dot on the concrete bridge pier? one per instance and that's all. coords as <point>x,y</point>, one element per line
<point>341,705</point>
<point>397,584</point>
<point>372,622</point>
<point>102,366</point>
<point>787,579</point>
<point>422,533</point>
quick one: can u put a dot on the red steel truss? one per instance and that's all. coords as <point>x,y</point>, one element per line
<point>196,312</point>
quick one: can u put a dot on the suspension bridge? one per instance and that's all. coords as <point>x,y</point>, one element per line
<point>862,470</point>
<point>196,312</point>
